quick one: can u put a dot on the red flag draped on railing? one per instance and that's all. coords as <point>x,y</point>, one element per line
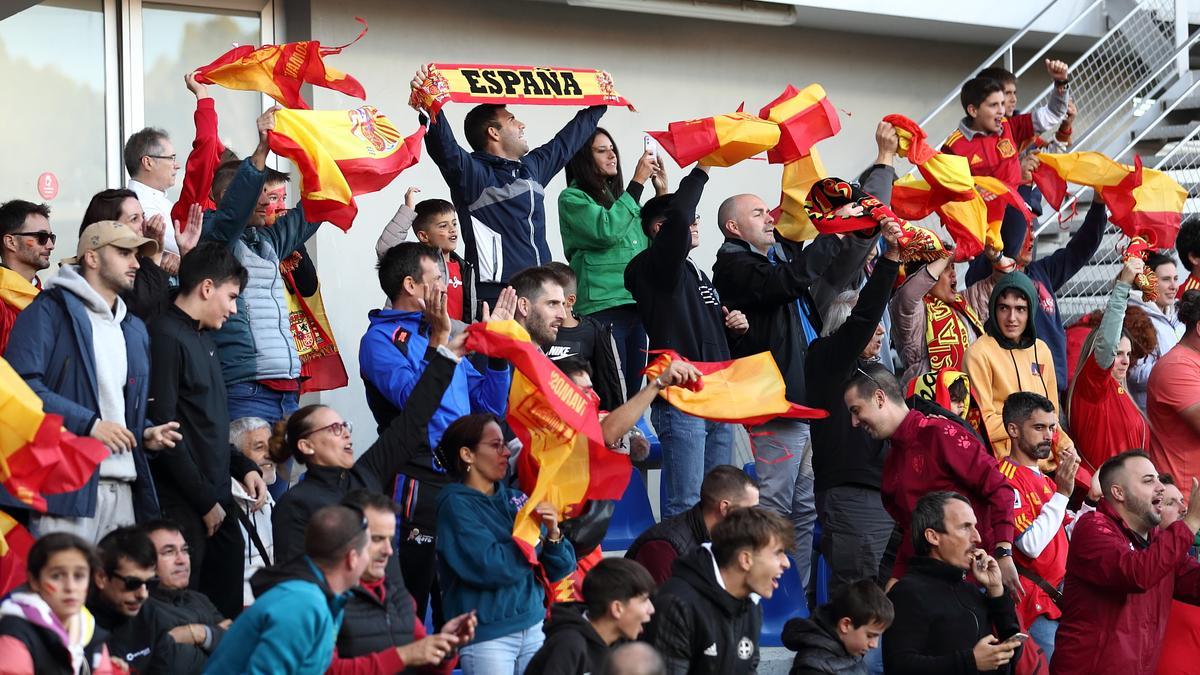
<point>563,460</point>
<point>749,390</point>
<point>280,70</point>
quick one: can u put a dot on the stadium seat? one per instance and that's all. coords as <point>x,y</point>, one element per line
<point>631,516</point>
<point>786,603</point>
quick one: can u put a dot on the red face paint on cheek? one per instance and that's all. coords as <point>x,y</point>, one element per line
<point>50,588</point>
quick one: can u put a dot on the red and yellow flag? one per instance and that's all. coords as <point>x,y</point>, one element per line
<point>1142,202</point>
<point>749,390</point>
<point>340,154</point>
<point>804,117</point>
<point>791,218</point>
<point>279,70</point>
<point>723,140</point>
<point>37,455</point>
<point>508,85</point>
<point>15,542</point>
<point>564,460</point>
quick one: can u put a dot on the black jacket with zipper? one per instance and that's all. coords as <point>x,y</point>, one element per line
<point>371,625</point>
<point>572,646</point>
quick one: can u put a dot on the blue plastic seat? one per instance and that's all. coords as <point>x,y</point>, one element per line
<point>654,459</point>
<point>631,517</point>
<point>786,603</point>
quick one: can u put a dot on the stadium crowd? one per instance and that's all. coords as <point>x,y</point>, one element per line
<point>993,490</point>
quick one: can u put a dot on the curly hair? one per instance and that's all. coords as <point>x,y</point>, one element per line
<point>1139,328</point>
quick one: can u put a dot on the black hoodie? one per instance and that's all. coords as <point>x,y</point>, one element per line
<point>572,646</point>
<point>818,649</point>
<point>698,627</point>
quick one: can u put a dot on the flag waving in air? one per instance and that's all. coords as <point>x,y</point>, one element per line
<point>340,154</point>
<point>564,460</point>
<point>279,70</point>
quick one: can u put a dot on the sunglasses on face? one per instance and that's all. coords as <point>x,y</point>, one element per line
<point>134,583</point>
<point>42,237</point>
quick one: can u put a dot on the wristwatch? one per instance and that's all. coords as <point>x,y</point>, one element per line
<point>1063,83</point>
<point>1002,552</point>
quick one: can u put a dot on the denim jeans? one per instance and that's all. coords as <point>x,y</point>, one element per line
<point>1043,631</point>
<point>783,462</point>
<point>251,399</point>
<point>508,654</point>
<point>855,529</point>
<point>691,447</point>
<point>630,337</point>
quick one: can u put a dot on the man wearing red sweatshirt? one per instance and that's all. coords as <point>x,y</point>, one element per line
<point>929,454</point>
<point>380,631</point>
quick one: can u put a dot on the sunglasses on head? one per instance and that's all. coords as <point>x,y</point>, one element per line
<point>42,237</point>
<point>134,583</point>
<point>868,376</point>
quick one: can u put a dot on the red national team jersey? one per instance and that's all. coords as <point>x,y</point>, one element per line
<point>454,289</point>
<point>995,155</point>
<point>1190,283</point>
<point>1033,489</point>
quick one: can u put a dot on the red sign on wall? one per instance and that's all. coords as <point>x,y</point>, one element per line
<point>47,186</point>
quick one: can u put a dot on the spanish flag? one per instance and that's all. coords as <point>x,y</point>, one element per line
<point>791,219</point>
<point>749,390</point>
<point>948,176</point>
<point>15,542</point>
<point>279,70</point>
<point>37,455</point>
<point>340,154</point>
<point>723,140</point>
<point>1142,202</point>
<point>973,223</point>
<point>804,118</point>
<point>563,460</point>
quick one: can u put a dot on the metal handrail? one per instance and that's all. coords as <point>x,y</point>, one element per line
<point>1062,33</point>
<point>1180,144</point>
<point>1112,112</point>
<point>953,95</point>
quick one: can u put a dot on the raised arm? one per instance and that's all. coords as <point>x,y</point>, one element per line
<point>670,246</point>
<point>1048,116</point>
<point>205,157</point>
<point>547,160</point>
<point>397,228</point>
<point>227,223</point>
<point>1104,350</point>
<point>1064,263</point>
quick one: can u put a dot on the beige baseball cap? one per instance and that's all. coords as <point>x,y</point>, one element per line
<point>111,233</point>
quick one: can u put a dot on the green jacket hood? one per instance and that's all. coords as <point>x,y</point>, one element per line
<point>1020,282</point>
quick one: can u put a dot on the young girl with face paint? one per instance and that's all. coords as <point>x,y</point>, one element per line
<point>44,625</point>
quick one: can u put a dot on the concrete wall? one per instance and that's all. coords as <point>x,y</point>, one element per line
<point>672,69</point>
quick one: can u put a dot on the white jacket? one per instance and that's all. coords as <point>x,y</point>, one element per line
<point>252,560</point>
<point>1169,331</point>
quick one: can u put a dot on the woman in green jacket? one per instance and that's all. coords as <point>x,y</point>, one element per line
<point>601,232</point>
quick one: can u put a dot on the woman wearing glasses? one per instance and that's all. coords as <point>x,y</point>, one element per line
<point>480,567</point>
<point>45,627</point>
<point>318,438</point>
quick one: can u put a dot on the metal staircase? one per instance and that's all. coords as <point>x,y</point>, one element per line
<point>1137,90</point>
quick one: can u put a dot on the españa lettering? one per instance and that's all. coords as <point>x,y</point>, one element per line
<point>501,84</point>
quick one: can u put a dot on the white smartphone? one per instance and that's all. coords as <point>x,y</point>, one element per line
<point>650,145</point>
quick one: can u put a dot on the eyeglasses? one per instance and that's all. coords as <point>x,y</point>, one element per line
<point>134,583</point>
<point>170,157</point>
<point>338,429</point>
<point>42,237</point>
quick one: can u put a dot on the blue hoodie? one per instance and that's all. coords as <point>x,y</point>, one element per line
<point>480,566</point>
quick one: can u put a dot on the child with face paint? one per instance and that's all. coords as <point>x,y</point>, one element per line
<point>44,625</point>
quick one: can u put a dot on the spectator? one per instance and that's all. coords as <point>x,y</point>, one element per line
<point>203,160</point>
<point>44,626</point>
<point>725,489</point>
<point>840,632</point>
<point>930,454</point>
<point>99,385</point>
<point>635,658</point>
<point>188,617</point>
<point>847,463</point>
<point>601,231</point>
<point>591,340</point>
<point>1104,419</point>
<point>1122,573</point>
<point>1162,315</point>
<point>706,620</point>
<point>943,623</point>
<point>479,563</point>
<point>619,426</point>
<point>1039,512</point>
<point>152,164</point>
<point>121,585</point>
<point>580,636</point>
<point>1181,641</point>
<point>380,632</point>
<point>1049,274</point>
<point>392,356</point>
<point>681,311</point>
<point>293,625</point>
<point>995,139</point>
<point>1187,246</point>
<point>26,242</point>
<point>193,478</point>
<point>318,437</point>
<point>251,435</point>
<point>1043,117</point>
<point>934,321</point>
<point>541,304</point>
<point>507,233</point>
<point>1011,358</point>
<point>259,360</point>
<point>1173,398</point>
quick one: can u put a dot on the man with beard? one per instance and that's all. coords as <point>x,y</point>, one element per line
<point>26,242</point>
<point>541,304</point>
<point>929,454</point>
<point>1039,512</point>
<point>1122,571</point>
